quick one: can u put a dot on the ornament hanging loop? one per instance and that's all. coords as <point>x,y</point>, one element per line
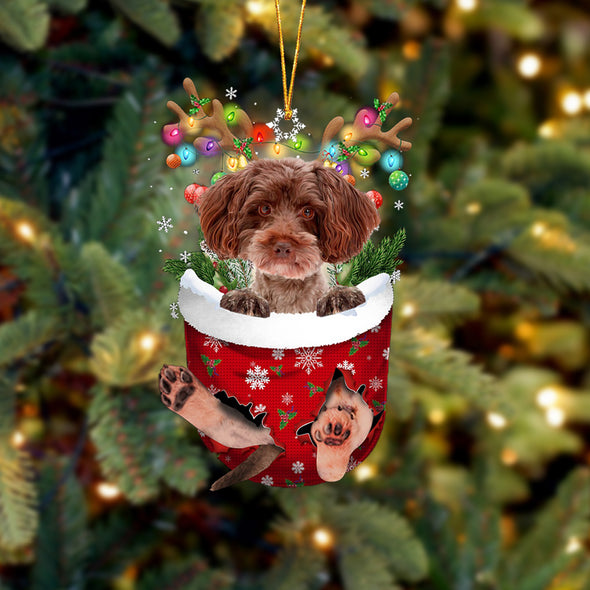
<point>288,93</point>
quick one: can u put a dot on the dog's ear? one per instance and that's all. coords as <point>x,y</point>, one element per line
<point>219,212</point>
<point>349,218</point>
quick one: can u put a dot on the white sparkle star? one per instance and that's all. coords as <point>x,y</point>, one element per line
<point>174,310</point>
<point>395,276</point>
<point>231,93</point>
<point>184,256</point>
<point>364,173</point>
<point>398,205</point>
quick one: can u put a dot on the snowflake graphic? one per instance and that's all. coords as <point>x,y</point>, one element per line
<point>281,135</point>
<point>267,480</point>
<point>278,354</point>
<point>201,432</point>
<point>287,398</point>
<point>398,205</point>
<point>257,377</point>
<point>347,366</point>
<point>184,256</point>
<point>309,359</point>
<point>386,354</point>
<point>174,310</point>
<point>214,343</point>
<point>395,276</point>
<point>165,224</point>
<point>376,329</point>
<point>364,173</point>
<point>376,384</point>
<point>231,92</point>
<point>196,171</point>
<point>213,389</point>
<point>298,467</point>
<point>259,408</point>
<point>227,458</point>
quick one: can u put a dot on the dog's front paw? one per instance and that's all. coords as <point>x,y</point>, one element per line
<point>245,301</point>
<point>339,299</point>
<point>177,384</point>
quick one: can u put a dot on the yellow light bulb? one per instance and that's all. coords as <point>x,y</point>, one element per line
<point>348,137</point>
<point>25,231</point>
<point>323,538</point>
<point>277,148</point>
<point>191,121</point>
<point>108,491</point>
<point>496,420</point>
<point>529,65</point>
<point>571,103</point>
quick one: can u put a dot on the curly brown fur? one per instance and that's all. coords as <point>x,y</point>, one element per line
<point>288,217</point>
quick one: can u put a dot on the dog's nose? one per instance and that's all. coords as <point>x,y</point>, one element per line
<point>283,249</point>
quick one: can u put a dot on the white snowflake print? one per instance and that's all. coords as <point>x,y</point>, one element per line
<point>398,205</point>
<point>309,359</point>
<point>231,92</point>
<point>257,377</point>
<point>278,354</point>
<point>352,464</point>
<point>174,310</point>
<point>281,135</point>
<point>227,458</point>
<point>386,354</point>
<point>259,408</point>
<point>201,432</point>
<point>376,384</point>
<point>376,329</point>
<point>214,343</point>
<point>213,389</point>
<point>196,171</point>
<point>347,366</point>
<point>395,276</point>
<point>184,256</point>
<point>298,467</point>
<point>267,480</point>
<point>287,399</point>
<point>364,173</point>
<point>165,224</point>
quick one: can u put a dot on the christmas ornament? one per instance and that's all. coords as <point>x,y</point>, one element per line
<point>376,198</point>
<point>173,161</point>
<point>171,135</point>
<point>392,160</point>
<point>398,180</point>
<point>288,376</point>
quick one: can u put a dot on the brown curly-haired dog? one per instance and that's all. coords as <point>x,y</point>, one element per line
<point>287,217</point>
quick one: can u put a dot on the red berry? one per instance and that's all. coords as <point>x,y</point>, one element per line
<point>223,289</point>
<point>376,198</point>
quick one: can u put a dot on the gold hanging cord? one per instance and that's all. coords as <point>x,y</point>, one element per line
<point>289,94</point>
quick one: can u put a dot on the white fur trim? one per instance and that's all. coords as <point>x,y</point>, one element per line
<point>199,304</point>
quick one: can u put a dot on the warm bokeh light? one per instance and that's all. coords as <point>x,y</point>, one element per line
<point>573,545</point>
<point>107,491</point>
<point>437,416</point>
<point>473,208</point>
<point>555,417</point>
<point>411,50</point>
<point>148,341</point>
<point>548,129</point>
<point>323,538</point>
<point>466,5</point>
<point>17,439</point>
<point>365,471</point>
<point>408,310</point>
<point>529,65</point>
<point>586,98</point>
<point>538,229</point>
<point>25,231</point>
<point>496,420</point>
<point>571,102</point>
<point>547,397</point>
<point>509,457</point>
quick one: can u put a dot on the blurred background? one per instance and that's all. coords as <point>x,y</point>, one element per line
<point>480,479</point>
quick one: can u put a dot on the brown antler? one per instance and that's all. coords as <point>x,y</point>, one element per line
<point>193,125</point>
<point>364,128</point>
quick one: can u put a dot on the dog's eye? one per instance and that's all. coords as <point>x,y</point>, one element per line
<point>264,210</point>
<point>307,212</point>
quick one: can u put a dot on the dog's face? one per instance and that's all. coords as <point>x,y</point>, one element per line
<point>342,425</point>
<point>286,217</point>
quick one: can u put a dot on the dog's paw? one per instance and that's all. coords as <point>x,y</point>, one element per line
<point>245,301</point>
<point>339,299</point>
<point>177,384</point>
